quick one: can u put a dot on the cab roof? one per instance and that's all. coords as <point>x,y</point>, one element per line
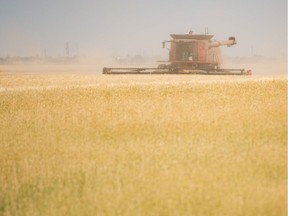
<point>192,36</point>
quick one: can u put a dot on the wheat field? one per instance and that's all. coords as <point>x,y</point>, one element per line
<point>85,144</point>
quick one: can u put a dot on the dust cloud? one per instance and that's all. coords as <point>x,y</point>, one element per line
<point>77,65</point>
<point>259,68</point>
<point>94,64</point>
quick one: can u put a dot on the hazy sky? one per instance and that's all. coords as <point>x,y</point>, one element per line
<point>121,27</point>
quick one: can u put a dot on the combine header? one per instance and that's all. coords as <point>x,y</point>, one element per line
<point>189,54</point>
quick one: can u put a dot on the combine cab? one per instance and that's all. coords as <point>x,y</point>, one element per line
<point>189,54</point>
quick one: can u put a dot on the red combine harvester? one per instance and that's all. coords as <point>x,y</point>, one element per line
<point>189,54</point>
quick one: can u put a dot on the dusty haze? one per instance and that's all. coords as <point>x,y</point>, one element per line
<point>129,28</point>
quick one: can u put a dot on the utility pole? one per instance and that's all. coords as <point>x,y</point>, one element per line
<point>67,49</point>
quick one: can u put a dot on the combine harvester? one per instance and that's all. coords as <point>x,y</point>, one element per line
<point>189,54</point>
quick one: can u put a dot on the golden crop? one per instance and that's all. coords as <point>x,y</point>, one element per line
<point>142,145</point>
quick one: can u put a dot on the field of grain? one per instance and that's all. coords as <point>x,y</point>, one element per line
<point>85,144</point>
